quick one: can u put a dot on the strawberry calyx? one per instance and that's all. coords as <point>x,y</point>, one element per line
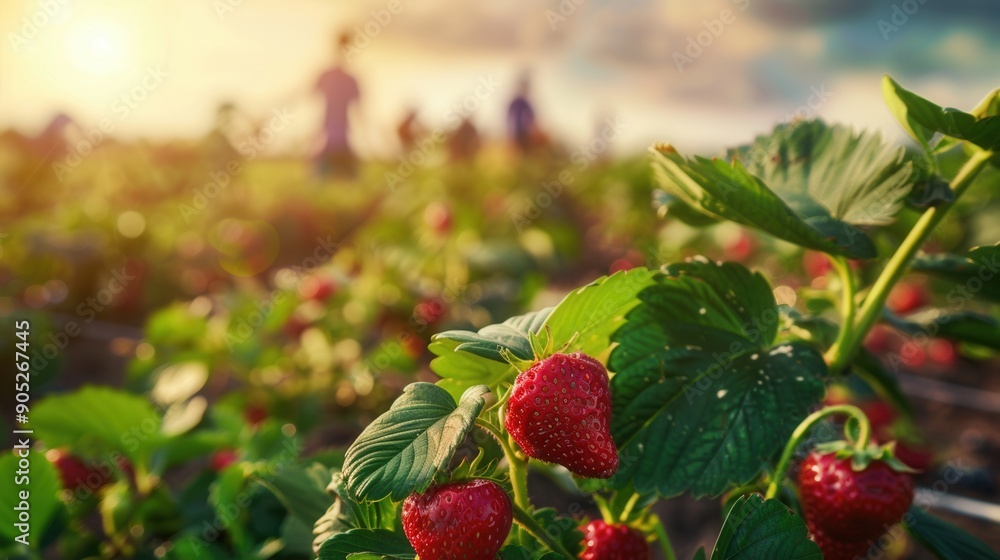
<point>542,346</point>
<point>863,457</point>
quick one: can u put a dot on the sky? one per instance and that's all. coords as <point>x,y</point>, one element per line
<point>700,75</point>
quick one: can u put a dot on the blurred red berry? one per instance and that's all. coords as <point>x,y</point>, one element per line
<point>74,473</point>
<point>917,458</point>
<point>414,346</point>
<point>880,413</point>
<point>223,458</point>
<point>906,297</point>
<point>437,216</point>
<point>254,414</point>
<point>620,264</point>
<point>740,248</point>
<point>295,326</point>
<point>429,311</point>
<point>879,339</point>
<point>317,288</point>
<point>913,355</point>
<point>942,352</point>
<point>816,264</point>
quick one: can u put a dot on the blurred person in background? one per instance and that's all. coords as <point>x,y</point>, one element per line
<point>464,142</point>
<point>340,92</point>
<point>231,126</point>
<point>521,125</point>
<point>410,130</point>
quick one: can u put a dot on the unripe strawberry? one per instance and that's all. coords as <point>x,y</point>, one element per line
<point>602,541</point>
<point>560,412</point>
<point>467,520</point>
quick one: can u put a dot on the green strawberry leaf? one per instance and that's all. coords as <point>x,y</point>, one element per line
<point>561,528</point>
<point>965,326</point>
<point>974,274</point>
<point>301,489</point>
<point>403,450</point>
<point>729,191</point>
<point>700,555</point>
<point>460,371</point>
<point>108,418</point>
<point>226,496</point>
<point>852,177</point>
<point>346,513</point>
<point>922,118</point>
<point>380,543</point>
<point>588,316</point>
<point>945,540</point>
<point>696,377</point>
<point>757,528</point>
<point>583,321</point>
<point>669,206</point>
<point>512,335</point>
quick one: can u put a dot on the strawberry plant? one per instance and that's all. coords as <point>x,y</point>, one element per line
<point>691,378</point>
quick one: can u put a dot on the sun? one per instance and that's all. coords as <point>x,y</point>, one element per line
<point>100,47</point>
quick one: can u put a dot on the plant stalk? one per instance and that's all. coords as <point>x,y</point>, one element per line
<point>840,355</point>
<point>661,535</point>
<point>864,437</point>
<point>847,305</point>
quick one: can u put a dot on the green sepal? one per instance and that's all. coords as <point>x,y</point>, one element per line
<point>862,458</point>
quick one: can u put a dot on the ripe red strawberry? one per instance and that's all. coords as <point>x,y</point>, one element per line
<point>74,473</point>
<point>845,509</point>
<point>466,520</point>
<point>560,411</point>
<point>602,541</point>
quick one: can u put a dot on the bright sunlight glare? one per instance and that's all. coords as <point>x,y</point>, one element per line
<point>99,47</point>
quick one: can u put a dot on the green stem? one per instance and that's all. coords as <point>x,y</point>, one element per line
<point>840,354</point>
<point>661,535</point>
<point>629,506</point>
<point>602,506</point>
<point>847,307</point>
<point>528,523</point>
<point>517,467</point>
<point>864,436</point>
